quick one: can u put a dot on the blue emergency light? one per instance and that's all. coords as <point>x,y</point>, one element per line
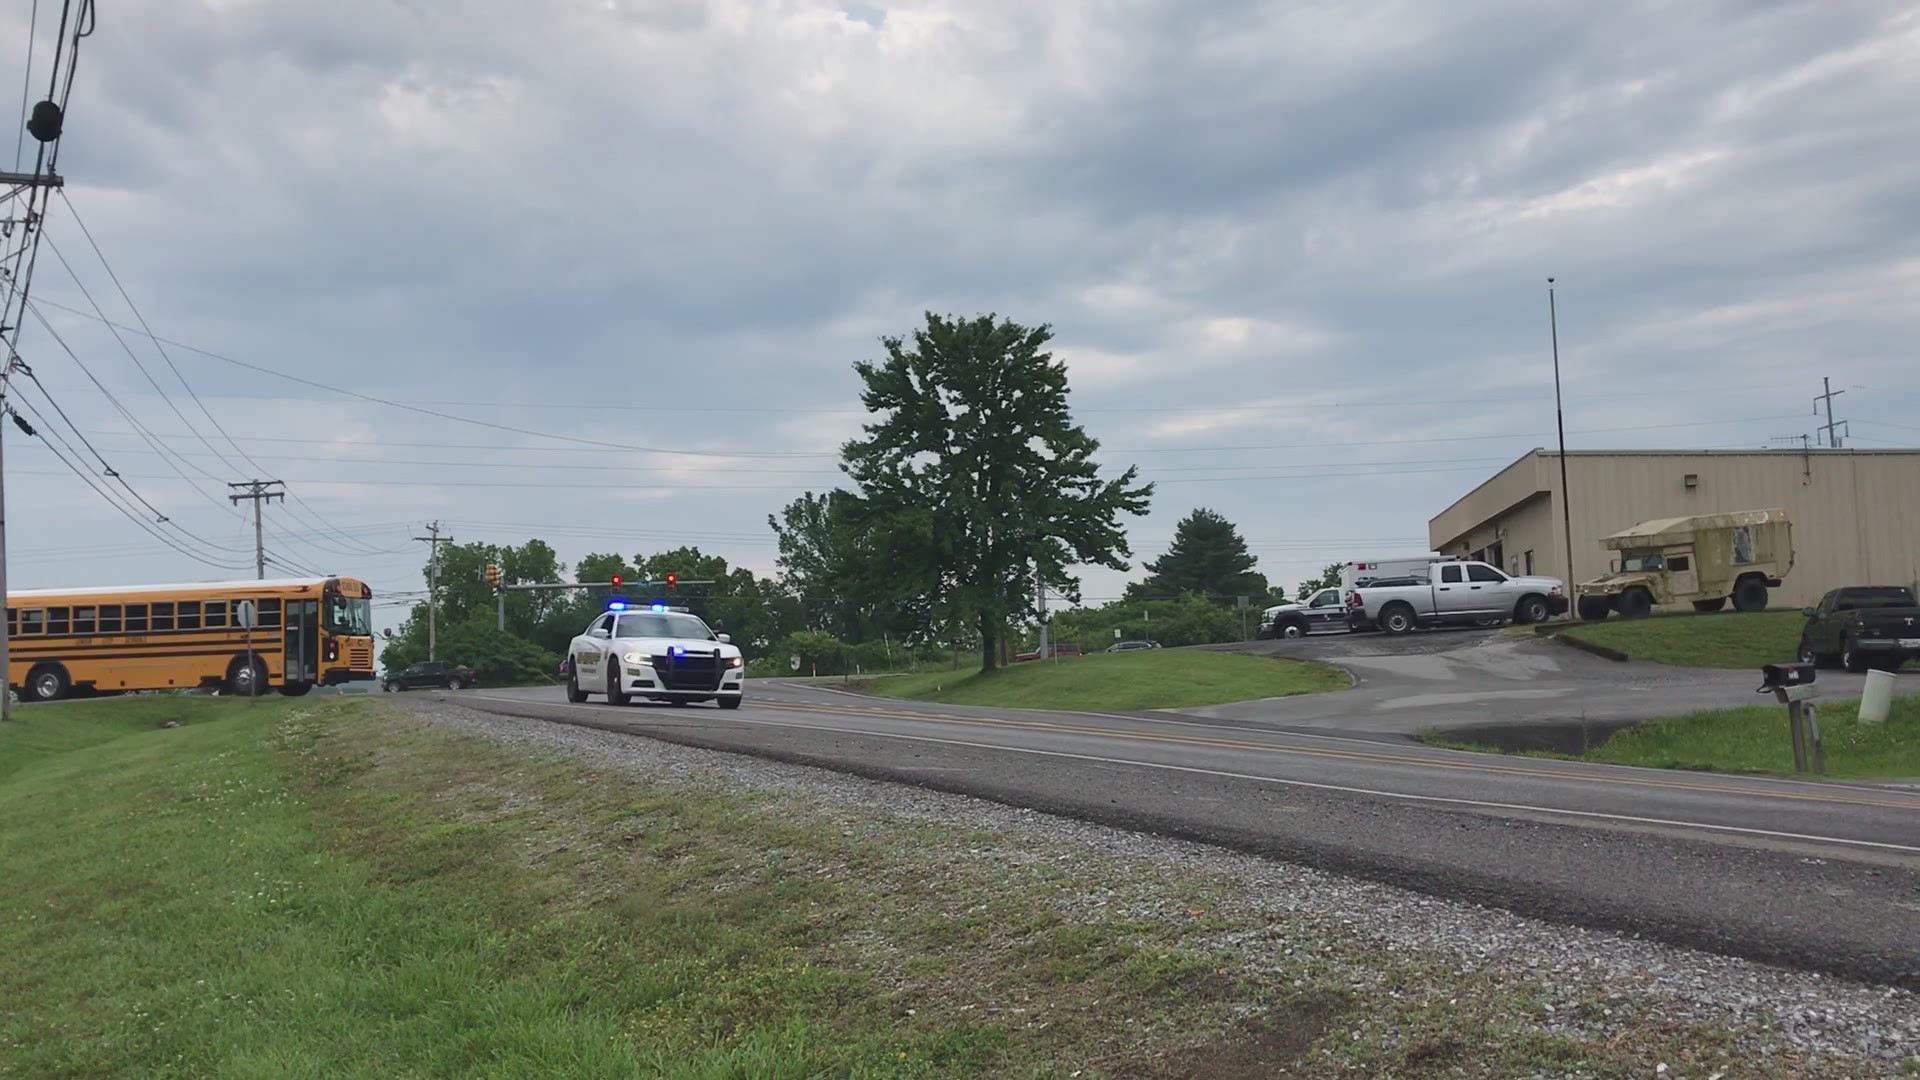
<point>659,607</point>
<point>616,605</point>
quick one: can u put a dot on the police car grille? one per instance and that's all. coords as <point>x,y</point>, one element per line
<point>688,671</point>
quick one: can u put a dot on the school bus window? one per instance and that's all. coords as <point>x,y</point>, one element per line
<point>109,618</point>
<point>33,621</point>
<point>270,612</point>
<point>215,617</point>
<point>57,622</point>
<point>189,618</point>
<point>13,623</point>
<point>136,618</point>
<point>162,617</point>
<point>83,619</point>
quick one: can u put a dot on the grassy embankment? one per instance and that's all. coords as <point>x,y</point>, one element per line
<point>1754,739</point>
<point>1725,640</point>
<point>1120,682</point>
<point>330,888</point>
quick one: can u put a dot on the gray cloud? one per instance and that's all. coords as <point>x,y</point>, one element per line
<point>1250,223</point>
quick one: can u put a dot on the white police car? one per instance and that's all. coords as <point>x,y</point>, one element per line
<point>655,652</point>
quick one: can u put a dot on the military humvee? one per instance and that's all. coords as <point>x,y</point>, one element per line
<point>1703,560</point>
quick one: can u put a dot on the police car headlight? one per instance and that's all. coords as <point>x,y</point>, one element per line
<point>639,658</point>
<point>737,662</point>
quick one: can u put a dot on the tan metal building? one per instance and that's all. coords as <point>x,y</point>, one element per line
<point>1856,513</point>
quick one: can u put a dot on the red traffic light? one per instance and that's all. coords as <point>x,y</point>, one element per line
<point>616,581</point>
<point>672,580</point>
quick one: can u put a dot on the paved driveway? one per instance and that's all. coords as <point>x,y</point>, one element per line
<point>1462,681</point>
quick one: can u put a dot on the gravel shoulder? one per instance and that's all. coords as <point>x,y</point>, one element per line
<point>1310,972</point>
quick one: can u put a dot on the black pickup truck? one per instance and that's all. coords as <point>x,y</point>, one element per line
<point>1862,627</point>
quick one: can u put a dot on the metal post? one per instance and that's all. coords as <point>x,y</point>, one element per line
<point>1040,595</point>
<point>500,598</point>
<point>1560,422</point>
<point>6,633</point>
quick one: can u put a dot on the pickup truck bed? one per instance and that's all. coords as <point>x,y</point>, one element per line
<point>1456,592</point>
<point>1863,627</point>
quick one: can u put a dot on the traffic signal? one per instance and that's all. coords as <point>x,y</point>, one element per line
<point>493,575</point>
<point>672,580</point>
<point>616,581</point>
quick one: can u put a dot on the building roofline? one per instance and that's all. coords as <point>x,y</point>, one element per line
<point>1541,451</point>
<point>1497,474</point>
<point>1818,451</point>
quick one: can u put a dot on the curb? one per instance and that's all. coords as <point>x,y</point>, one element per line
<point>1600,651</point>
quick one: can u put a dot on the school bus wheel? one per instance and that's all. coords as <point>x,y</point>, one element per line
<point>48,682</point>
<point>238,676</point>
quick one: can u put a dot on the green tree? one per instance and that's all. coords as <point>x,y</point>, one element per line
<point>502,659</point>
<point>975,471</point>
<point>837,564</point>
<point>1329,578</point>
<point>1207,557</point>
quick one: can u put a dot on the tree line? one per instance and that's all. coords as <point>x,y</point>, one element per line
<point>971,487</point>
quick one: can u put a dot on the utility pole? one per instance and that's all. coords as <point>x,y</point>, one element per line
<point>257,492</point>
<point>1040,594</point>
<point>433,540</point>
<point>1560,421</point>
<point>1833,435</point>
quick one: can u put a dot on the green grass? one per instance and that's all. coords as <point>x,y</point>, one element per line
<point>328,888</point>
<point>1755,739</point>
<point>1130,681</point>
<point>1726,640</point>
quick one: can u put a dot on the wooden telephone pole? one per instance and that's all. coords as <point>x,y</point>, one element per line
<point>257,492</point>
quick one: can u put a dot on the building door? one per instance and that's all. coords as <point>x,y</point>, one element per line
<point>301,629</point>
<point>1497,554</point>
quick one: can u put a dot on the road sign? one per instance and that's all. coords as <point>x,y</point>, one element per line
<point>793,662</point>
<point>1116,633</point>
<point>1243,602</point>
<point>243,614</point>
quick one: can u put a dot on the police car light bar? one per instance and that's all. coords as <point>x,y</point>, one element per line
<point>616,605</point>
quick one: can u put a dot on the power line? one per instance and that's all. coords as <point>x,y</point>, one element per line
<point>26,86</point>
<point>117,505</point>
<point>147,330</point>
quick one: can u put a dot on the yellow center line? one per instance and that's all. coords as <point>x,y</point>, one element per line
<point>1205,742</point>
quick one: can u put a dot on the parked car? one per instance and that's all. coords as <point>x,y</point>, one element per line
<point>1862,627</point>
<point>1066,649</point>
<point>1322,612</point>
<point>1703,560</point>
<point>1132,646</point>
<point>433,674</point>
<point>1455,593</point>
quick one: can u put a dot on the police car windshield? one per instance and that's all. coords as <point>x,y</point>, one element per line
<point>663,624</point>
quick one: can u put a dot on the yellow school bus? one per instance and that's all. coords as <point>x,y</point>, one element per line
<point>307,632</point>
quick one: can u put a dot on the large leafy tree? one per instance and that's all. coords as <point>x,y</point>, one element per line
<point>1207,557</point>
<point>835,561</point>
<point>977,475</point>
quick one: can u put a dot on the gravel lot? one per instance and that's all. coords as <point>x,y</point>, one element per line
<point>1597,986</point>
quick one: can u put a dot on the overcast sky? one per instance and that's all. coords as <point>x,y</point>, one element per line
<point>1294,253</point>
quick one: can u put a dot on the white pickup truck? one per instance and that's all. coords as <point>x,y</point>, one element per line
<point>1457,591</point>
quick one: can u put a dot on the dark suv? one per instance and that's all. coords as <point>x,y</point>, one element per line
<point>432,675</point>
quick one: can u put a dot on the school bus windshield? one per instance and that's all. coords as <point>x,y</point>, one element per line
<point>349,615</point>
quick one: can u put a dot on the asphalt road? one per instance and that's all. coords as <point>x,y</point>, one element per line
<point>1817,875</point>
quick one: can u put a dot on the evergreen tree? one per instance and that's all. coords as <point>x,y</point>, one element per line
<point>1207,557</point>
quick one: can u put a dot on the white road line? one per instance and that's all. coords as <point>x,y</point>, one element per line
<point>1438,753</point>
<point>1343,789</point>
